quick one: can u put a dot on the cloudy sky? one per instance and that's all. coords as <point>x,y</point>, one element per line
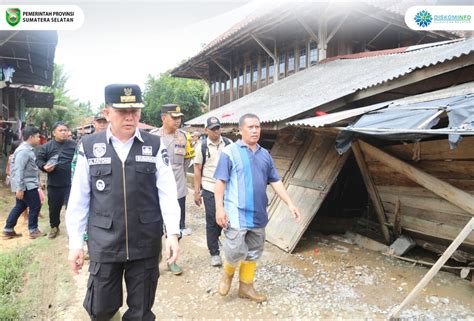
<point>125,41</point>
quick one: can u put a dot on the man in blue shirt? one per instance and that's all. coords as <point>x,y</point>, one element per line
<point>242,175</point>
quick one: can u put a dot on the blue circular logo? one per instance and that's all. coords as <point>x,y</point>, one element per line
<point>423,18</point>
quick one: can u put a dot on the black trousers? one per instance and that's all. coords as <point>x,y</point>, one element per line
<point>57,197</point>
<point>104,289</point>
<point>213,230</point>
<point>182,205</point>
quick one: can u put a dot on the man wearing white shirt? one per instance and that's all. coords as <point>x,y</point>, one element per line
<point>123,191</point>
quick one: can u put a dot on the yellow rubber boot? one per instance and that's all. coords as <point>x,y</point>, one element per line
<point>226,280</point>
<point>247,275</point>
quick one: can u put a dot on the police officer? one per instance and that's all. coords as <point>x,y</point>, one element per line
<point>123,191</point>
<point>180,152</point>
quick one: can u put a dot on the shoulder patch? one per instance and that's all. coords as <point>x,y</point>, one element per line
<point>165,157</point>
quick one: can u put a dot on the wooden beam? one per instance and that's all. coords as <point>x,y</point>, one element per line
<point>397,224</point>
<point>9,37</point>
<point>221,66</point>
<point>373,194</point>
<point>378,34</point>
<point>448,192</point>
<point>307,28</point>
<point>333,32</point>
<point>200,76</point>
<point>322,36</point>
<point>264,47</point>
<point>432,272</point>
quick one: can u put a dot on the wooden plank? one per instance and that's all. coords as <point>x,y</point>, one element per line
<point>434,150</point>
<point>317,155</point>
<point>397,224</point>
<point>397,179</point>
<point>373,194</point>
<point>454,195</point>
<point>432,272</point>
<point>320,186</point>
<point>453,219</point>
<point>436,204</point>
<point>440,169</point>
<point>437,230</point>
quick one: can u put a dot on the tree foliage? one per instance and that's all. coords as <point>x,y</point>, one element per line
<point>191,95</point>
<point>64,108</point>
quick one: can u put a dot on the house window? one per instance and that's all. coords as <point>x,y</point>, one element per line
<point>255,73</point>
<point>281,64</point>
<point>218,86</point>
<point>213,86</point>
<point>247,75</point>
<point>302,60</point>
<point>234,81</point>
<point>222,86</point>
<point>227,85</point>
<point>313,53</point>
<point>263,75</point>
<point>271,69</point>
<point>241,77</point>
<point>291,61</point>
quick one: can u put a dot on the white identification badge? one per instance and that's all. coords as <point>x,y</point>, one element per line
<point>99,161</point>
<point>147,150</point>
<point>100,185</point>
<point>145,159</point>
<point>99,149</point>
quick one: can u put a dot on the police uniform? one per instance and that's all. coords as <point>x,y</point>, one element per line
<point>180,153</point>
<point>122,192</point>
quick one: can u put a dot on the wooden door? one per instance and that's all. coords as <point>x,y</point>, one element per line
<point>310,180</point>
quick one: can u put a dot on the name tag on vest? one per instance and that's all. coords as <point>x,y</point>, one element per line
<point>99,161</point>
<point>145,159</point>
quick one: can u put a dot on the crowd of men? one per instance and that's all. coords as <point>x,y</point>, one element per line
<point>125,188</point>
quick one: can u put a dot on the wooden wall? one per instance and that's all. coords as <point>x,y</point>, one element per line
<point>422,211</point>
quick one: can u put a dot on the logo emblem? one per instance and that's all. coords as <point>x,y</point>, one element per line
<point>100,185</point>
<point>13,16</point>
<point>146,150</point>
<point>423,18</point>
<point>127,91</point>
<point>99,149</point>
<point>178,109</point>
<point>165,157</point>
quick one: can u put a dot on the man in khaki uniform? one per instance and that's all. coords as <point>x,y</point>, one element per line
<point>180,154</point>
<point>205,162</point>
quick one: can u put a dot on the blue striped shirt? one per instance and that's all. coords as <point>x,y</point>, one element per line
<point>247,175</point>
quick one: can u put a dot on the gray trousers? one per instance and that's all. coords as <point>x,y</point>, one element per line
<point>243,244</point>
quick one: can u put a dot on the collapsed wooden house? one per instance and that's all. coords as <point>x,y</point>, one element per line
<point>306,62</point>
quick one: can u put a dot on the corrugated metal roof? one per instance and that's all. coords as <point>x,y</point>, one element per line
<point>464,89</point>
<point>326,82</point>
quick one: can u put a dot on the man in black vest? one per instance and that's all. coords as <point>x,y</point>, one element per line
<point>123,191</point>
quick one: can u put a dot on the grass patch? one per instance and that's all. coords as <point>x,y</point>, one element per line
<point>13,266</point>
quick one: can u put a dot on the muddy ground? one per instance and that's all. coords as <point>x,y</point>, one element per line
<point>317,281</point>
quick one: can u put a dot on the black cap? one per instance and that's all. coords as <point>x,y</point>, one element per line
<point>171,109</point>
<point>213,122</point>
<point>99,116</point>
<point>123,96</point>
<point>57,124</point>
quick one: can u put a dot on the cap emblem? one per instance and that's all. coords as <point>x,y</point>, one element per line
<point>128,98</point>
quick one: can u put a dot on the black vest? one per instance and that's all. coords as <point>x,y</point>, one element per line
<point>125,221</point>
